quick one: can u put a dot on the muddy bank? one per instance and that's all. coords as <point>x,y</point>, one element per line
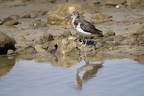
<point>42,31</point>
<point>68,48</point>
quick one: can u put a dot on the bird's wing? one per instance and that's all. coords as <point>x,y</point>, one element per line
<point>88,27</point>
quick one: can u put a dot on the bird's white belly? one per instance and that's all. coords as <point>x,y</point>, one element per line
<point>79,30</point>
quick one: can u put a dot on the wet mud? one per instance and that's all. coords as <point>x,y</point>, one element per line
<point>41,32</point>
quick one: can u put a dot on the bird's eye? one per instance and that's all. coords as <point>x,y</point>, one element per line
<point>73,13</point>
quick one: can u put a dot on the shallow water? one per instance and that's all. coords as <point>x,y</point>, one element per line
<point>115,77</point>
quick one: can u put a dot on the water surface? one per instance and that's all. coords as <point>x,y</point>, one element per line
<point>115,77</point>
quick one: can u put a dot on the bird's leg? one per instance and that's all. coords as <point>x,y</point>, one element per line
<point>85,42</point>
<point>85,59</point>
<point>81,41</point>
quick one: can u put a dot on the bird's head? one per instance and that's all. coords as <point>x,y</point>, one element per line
<point>74,15</point>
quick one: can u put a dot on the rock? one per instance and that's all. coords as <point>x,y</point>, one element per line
<point>77,35</point>
<point>50,46</point>
<point>46,38</point>
<point>113,2</point>
<point>101,18</point>
<point>57,14</point>
<point>133,3</point>
<point>120,6</point>
<point>38,41</point>
<point>33,14</point>
<point>66,33</point>
<point>26,50</point>
<point>109,33</point>
<point>130,40</point>
<point>9,21</point>
<point>48,1</point>
<point>67,46</point>
<point>99,44</point>
<point>77,1</point>
<point>45,45</point>
<point>15,17</point>
<point>6,43</point>
<point>139,34</point>
<point>62,45</point>
<point>39,24</point>
<point>140,31</point>
<point>28,0</point>
<point>118,39</point>
<point>25,15</point>
<point>29,15</point>
<point>39,48</point>
<point>141,39</point>
<point>9,52</point>
<point>43,12</point>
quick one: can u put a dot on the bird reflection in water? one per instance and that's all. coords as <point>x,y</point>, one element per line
<point>86,72</point>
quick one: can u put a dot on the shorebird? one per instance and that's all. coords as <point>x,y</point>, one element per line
<point>84,27</point>
<point>86,72</point>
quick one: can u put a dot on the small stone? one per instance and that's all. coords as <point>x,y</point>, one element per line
<point>48,1</point>
<point>141,39</point>
<point>25,15</point>
<point>99,44</point>
<point>66,33</point>
<point>26,50</point>
<point>117,6</point>
<point>113,3</point>
<point>109,33</point>
<point>39,24</point>
<point>46,38</point>
<point>38,41</point>
<point>140,31</point>
<point>33,14</point>
<point>50,46</point>
<point>45,45</point>
<point>118,39</point>
<point>9,21</point>
<point>9,52</point>
<point>43,12</point>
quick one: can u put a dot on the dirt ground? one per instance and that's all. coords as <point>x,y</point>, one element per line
<point>126,18</point>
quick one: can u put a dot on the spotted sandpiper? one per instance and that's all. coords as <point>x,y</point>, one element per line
<point>84,27</point>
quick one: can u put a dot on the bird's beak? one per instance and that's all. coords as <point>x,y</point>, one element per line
<point>68,17</point>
